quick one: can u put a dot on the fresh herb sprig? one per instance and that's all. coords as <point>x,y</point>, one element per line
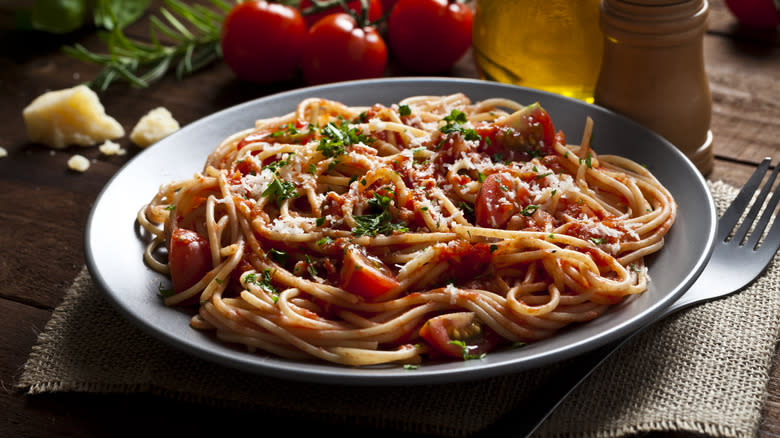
<point>195,34</point>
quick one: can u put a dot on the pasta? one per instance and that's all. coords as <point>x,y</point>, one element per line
<point>431,229</point>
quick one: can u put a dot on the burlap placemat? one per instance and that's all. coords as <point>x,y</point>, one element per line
<point>704,371</point>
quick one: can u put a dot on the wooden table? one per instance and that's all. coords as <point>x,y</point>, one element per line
<point>44,206</point>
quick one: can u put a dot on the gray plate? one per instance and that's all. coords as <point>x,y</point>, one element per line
<point>114,249</point>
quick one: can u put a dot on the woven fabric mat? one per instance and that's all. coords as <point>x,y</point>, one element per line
<point>703,370</point>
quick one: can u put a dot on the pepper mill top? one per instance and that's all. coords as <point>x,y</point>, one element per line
<point>653,70</point>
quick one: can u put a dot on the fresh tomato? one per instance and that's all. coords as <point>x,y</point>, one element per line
<point>459,335</point>
<point>429,36</point>
<point>759,14</point>
<point>374,10</point>
<point>338,49</point>
<point>262,42</point>
<point>388,5</point>
<point>527,133</point>
<point>189,258</point>
<point>364,275</point>
<point>498,200</point>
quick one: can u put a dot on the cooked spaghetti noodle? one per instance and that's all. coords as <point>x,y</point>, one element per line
<point>429,228</point>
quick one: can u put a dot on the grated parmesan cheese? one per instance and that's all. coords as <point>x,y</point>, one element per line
<point>293,225</point>
<point>79,163</point>
<point>256,184</point>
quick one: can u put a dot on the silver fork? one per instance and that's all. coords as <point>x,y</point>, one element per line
<point>740,255</point>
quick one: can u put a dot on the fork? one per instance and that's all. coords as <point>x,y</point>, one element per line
<point>741,253</point>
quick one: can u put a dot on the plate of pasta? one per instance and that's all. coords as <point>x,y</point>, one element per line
<point>400,231</point>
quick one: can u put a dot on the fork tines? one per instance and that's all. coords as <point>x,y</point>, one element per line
<point>732,216</point>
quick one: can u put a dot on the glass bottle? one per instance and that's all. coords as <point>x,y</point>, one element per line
<point>551,45</point>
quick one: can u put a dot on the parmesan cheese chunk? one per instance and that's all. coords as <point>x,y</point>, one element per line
<point>79,163</point>
<point>73,116</point>
<point>154,126</point>
<point>111,148</point>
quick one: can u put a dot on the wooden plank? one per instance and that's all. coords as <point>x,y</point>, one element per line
<point>745,87</point>
<point>42,240</point>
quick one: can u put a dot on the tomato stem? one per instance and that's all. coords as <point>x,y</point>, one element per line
<point>322,5</point>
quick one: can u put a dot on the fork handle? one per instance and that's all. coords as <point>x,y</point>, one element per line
<point>525,418</point>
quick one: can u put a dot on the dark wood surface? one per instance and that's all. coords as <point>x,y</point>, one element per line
<point>44,206</point>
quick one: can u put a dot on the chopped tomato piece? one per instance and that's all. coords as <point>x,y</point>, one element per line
<point>189,258</point>
<point>498,200</point>
<point>459,334</point>
<point>365,275</point>
<point>466,260</point>
<point>527,133</point>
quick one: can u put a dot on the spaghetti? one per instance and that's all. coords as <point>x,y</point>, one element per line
<point>435,227</point>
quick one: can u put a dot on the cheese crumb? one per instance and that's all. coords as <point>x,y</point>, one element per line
<point>111,148</point>
<point>154,126</point>
<point>79,163</point>
<point>3,152</point>
<point>73,116</point>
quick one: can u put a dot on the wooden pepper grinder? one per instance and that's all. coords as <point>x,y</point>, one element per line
<point>653,71</point>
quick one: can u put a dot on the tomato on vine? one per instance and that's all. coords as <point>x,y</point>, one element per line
<point>337,48</point>
<point>429,36</point>
<point>314,10</point>
<point>262,41</point>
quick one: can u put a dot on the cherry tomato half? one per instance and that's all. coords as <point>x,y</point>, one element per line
<point>189,258</point>
<point>459,335</point>
<point>498,200</point>
<point>337,49</point>
<point>374,10</point>
<point>429,36</point>
<point>262,42</point>
<point>364,275</point>
<point>528,132</point>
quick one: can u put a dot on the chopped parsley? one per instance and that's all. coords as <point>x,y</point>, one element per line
<point>279,190</point>
<point>542,175</point>
<point>598,240</point>
<point>380,222</point>
<point>404,110</point>
<point>274,167</point>
<point>278,256</point>
<point>454,125</point>
<point>165,293</point>
<point>290,129</point>
<point>465,351</point>
<point>587,161</point>
<point>310,267</point>
<point>336,138</point>
<point>529,209</point>
<point>263,281</point>
<point>324,241</point>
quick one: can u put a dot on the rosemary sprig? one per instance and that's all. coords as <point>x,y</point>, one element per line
<point>195,34</point>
